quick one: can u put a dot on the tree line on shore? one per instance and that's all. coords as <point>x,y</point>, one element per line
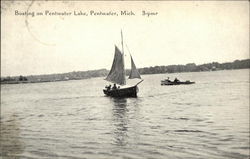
<point>77,75</point>
<point>192,67</point>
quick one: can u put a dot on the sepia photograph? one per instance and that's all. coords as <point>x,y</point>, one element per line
<point>125,79</point>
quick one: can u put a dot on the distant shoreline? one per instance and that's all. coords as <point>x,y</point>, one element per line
<point>79,75</point>
<point>28,82</point>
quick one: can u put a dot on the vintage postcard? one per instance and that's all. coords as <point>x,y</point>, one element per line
<point>124,79</point>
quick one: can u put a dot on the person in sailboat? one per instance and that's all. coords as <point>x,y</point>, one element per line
<point>108,87</point>
<point>114,87</point>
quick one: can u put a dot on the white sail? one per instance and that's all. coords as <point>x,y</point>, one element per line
<point>117,72</point>
<point>134,73</point>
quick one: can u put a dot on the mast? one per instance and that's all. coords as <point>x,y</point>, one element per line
<point>123,57</point>
<point>122,42</point>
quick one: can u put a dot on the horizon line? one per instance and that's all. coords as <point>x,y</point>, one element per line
<point>108,69</point>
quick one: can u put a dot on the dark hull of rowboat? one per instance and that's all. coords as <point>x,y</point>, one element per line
<point>175,83</point>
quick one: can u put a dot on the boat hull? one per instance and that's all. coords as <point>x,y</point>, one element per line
<point>175,83</point>
<point>122,92</point>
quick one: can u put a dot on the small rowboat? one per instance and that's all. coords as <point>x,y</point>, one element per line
<point>168,82</point>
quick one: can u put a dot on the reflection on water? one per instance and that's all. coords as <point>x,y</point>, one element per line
<point>120,121</point>
<point>11,146</point>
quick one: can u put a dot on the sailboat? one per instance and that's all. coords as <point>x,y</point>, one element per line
<point>117,75</point>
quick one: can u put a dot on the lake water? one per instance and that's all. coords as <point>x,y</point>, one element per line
<point>74,120</point>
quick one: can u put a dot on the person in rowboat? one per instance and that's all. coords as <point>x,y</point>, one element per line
<point>168,80</point>
<point>176,80</point>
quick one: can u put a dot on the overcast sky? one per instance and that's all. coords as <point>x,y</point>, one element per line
<point>181,33</point>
